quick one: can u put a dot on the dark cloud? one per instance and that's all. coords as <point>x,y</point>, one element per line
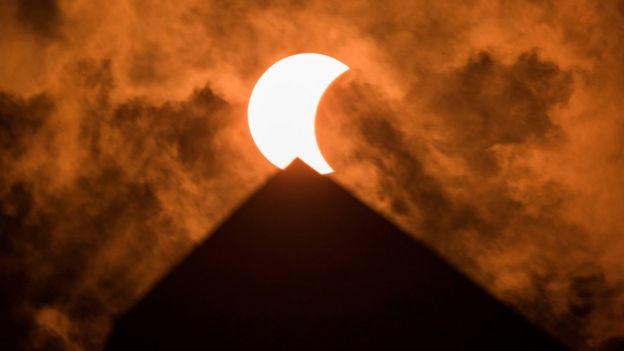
<point>43,17</point>
<point>20,119</point>
<point>486,104</point>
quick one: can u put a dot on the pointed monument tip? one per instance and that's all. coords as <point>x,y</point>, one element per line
<point>298,166</point>
<point>297,174</point>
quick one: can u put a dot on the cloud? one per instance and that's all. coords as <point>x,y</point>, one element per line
<point>42,17</point>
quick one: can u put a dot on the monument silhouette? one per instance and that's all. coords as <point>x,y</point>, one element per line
<point>303,265</point>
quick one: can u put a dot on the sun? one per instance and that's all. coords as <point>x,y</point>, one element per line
<point>282,108</point>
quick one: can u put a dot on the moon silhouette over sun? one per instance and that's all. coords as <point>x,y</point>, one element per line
<point>282,108</point>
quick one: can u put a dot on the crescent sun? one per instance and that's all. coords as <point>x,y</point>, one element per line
<point>282,108</point>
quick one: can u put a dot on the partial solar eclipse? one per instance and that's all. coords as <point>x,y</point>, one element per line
<point>282,108</point>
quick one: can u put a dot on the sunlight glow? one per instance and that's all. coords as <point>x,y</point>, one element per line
<point>282,108</point>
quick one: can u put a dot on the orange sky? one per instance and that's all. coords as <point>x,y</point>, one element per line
<point>493,131</point>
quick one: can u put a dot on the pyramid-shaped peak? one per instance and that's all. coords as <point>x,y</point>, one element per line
<point>301,186</point>
<point>304,265</point>
<point>299,172</point>
<point>299,167</point>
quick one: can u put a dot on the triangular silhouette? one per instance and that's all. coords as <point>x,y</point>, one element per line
<point>303,265</point>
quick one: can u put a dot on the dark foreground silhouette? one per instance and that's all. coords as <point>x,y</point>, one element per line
<point>303,265</point>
